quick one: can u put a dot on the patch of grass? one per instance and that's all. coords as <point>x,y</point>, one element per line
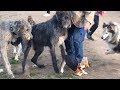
<point>3,75</point>
<point>13,61</point>
<point>32,73</point>
<point>68,76</point>
<point>60,76</point>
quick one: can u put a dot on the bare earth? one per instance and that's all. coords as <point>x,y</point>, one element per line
<point>101,66</point>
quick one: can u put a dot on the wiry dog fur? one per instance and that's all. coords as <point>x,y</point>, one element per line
<point>17,49</point>
<point>111,34</point>
<point>31,21</point>
<point>10,31</point>
<point>51,33</point>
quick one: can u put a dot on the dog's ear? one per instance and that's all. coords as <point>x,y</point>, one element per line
<point>18,23</point>
<point>112,23</point>
<point>30,20</point>
<point>58,14</point>
<point>71,13</point>
<point>11,27</point>
<point>105,24</point>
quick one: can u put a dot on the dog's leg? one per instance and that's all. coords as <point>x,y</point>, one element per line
<point>14,50</point>
<point>5,59</point>
<point>62,66</point>
<point>24,68</point>
<point>26,46</point>
<point>53,56</point>
<point>0,55</point>
<point>25,58</point>
<point>63,57</point>
<point>38,51</point>
<point>18,51</point>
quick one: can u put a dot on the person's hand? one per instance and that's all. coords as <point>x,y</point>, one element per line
<point>87,26</point>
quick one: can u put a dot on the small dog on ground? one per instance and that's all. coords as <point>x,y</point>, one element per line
<point>84,64</point>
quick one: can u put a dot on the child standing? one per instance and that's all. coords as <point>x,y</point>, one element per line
<point>95,25</point>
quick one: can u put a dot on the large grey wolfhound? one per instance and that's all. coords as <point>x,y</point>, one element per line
<point>50,33</point>
<point>10,30</point>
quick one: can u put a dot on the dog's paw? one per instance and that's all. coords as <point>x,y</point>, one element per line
<point>16,58</point>
<point>27,75</point>
<point>109,52</point>
<point>11,76</point>
<point>61,71</point>
<point>1,70</point>
<point>79,73</point>
<point>84,72</point>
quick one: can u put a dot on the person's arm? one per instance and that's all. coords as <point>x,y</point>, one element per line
<point>90,20</point>
<point>87,26</point>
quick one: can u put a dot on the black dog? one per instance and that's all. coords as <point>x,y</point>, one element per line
<point>50,33</point>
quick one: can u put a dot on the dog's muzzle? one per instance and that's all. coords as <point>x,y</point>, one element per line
<point>103,38</point>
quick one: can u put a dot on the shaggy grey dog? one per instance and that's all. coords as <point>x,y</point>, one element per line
<point>50,33</point>
<point>17,49</point>
<point>11,30</point>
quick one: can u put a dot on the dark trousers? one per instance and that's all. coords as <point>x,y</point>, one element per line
<point>74,46</point>
<point>95,25</point>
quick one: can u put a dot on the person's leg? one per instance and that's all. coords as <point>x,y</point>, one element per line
<point>78,43</point>
<point>69,41</point>
<point>94,27</point>
<point>71,61</point>
<point>74,49</point>
<point>78,38</point>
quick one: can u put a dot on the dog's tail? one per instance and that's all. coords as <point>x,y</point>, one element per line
<point>31,21</point>
<point>117,48</point>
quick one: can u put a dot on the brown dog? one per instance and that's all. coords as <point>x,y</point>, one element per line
<point>84,64</point>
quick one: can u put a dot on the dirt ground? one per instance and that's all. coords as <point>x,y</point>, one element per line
<point>101,66</point>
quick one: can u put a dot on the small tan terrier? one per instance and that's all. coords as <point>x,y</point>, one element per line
<point>84,64</point>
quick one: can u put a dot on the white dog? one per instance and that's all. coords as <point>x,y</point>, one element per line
<point>111,34</point>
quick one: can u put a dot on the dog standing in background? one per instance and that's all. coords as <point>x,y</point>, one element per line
<point>16,41</point>
<point>10,31</point>
<point>111,35</point>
